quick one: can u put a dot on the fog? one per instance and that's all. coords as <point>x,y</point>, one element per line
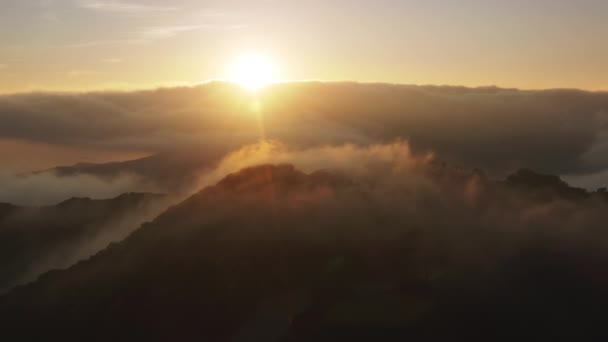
<point>281,239</point>
<point>553,131</point>
<point>47,189</point>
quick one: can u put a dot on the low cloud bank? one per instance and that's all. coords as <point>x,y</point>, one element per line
<point>352,159</point>
<point>499,130</point>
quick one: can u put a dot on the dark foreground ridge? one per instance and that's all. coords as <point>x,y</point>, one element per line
<point>34,240</point>
<point>274,254</point>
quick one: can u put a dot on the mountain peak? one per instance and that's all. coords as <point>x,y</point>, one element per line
<point>544,184</point>
<point>280,177</point>
<point>532,178</point>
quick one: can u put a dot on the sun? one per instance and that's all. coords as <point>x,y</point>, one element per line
<point>253,71</point>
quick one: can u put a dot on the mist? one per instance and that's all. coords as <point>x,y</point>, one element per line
<point>554,131</point>
<point>282,239</point>
<point>47,188</point>
<point>35,240</point>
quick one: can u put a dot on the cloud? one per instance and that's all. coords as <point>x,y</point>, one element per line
<point>162,32</point>
<point>125,7</point>
<point>51,16</point>
<point>499,130</point>
<point>112,60</point>
<point>82,73</point>
<point>151,34</point>
<point>106,42</point>
<point>594,180</point>
<point>357,161</point>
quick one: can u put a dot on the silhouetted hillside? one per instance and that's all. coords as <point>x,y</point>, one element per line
<point>274,254</point>
<point>35,240</point>
<point>6,208</point>
<point>174,171</point>
<point>544,185</point>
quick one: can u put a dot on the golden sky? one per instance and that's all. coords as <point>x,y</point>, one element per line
<point>123,44</point>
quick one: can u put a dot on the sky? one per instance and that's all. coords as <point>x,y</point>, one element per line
<point>70,45</point>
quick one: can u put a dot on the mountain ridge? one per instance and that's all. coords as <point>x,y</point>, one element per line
<point>36,239</point>
<point>272,241</point>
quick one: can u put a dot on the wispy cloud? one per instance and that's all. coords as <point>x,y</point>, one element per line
<point>50,16</point>
<point>125,7</point>
<point>82,73</point>
<point>160,32</point>
<point>92,43</point>
<point>111,60</point>
<point>147,35</point>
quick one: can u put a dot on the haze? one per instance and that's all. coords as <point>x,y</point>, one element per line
<point>334,170</point>
<point>116,44</point>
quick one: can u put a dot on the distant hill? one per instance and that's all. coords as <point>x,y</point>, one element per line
<point>167,172</point>
<point>544,185</point>
<point>34,240</point>
<point>274,254</point>
<point>6,208</point>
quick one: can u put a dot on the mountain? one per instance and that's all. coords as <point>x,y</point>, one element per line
<point>6,208</point>
<point>274,254</point>
<point>544,185</point>
<point>167,172</point>
<point>34,240</point>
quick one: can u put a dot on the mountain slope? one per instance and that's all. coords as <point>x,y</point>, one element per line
<point>168,172</point>
<point>34,240</point>
<point>273,254</point>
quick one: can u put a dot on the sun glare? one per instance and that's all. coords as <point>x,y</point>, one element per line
<point>253,72</point>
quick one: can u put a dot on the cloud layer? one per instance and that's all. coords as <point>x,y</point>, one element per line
<point>555,131</point>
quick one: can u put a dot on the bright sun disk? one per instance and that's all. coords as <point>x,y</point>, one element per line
<point>253,72</point>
